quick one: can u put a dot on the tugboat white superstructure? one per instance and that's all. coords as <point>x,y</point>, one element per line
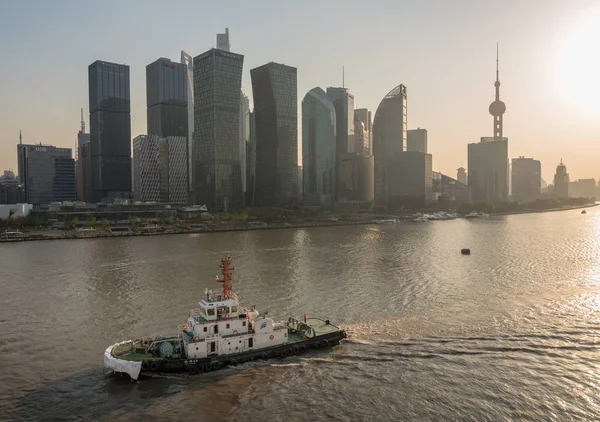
<point>221,332</point>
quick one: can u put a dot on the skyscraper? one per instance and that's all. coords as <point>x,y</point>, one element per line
<point>274,87</point>
<point>416,140</point>
<point>318,148</point>
<point>363,131</point>
<point>561,182</point>
<point>461,175</point>
<point>187,60</point>
<point>526,179</point>
<point>216,144</point>
<point>83,170</point>
<point>146,172</point>
<point>47,173</point>
<point>110,130</point>
<point>412,175</point>
<point>166,98</point>
<point>343,102</point>
<point>488,159</point>
<point>224,41</point>
<point>389,139</point>
<point>244,135</point>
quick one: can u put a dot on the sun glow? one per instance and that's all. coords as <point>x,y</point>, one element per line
<point>579,63</point>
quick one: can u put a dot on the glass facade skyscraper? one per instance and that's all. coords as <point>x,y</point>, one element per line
<point>166,98</point>
<point>318,148</point>
<point>216,144</point>
<point>47,173</point>
<point>275,92</point>
<point>389,139</point>
<point>110,130</point>
<point>488,170</point>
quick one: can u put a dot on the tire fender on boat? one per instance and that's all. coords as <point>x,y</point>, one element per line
<point>303,348</point>
<point>325,343</point>
<point>145,365</point>
<point>317,344</point>
<point>154,366</point>
<point>296,350</point>
<point>207,367</point>
<point>193,370</point>
<point>216,365</point>
<point>233,362</point>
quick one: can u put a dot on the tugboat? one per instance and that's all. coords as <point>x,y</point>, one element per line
<point>221,333</point>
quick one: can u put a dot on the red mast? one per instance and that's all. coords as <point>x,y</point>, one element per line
<point>226,269</point>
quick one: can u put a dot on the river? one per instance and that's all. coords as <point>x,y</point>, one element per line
<point>509,332</point>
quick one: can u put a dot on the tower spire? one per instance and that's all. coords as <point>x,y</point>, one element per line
<point>20,138</point>
<point>82,122</point>
<point>497,108</point>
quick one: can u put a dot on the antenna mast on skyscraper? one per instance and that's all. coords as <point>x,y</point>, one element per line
<point>82,122</point>
<point>343,78</point>
<point>20,138</point>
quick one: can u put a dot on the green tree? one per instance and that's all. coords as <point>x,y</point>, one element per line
<point>183,215</point>
<point>105,223</point>
<point>91,221</point>
<point>144,221</point>
<point>74,222</point>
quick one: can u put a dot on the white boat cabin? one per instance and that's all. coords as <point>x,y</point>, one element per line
<point>221,327</point>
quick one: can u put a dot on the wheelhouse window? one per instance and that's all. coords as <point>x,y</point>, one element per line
<point>227,326</point>
<point>210,312</point>
<point>234,309</point>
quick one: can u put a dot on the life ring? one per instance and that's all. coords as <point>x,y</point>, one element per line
<point>271,337</point>
<point>145,365</point>
<point>154,366</point>
<point>235,332</point>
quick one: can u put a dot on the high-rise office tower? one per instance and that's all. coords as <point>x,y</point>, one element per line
<point>83,170</point>
<point>343,102</point>
<point>47,173</point>
<point>146,171</point>
<point>561,182</point>
<point>461,175</point>
<point>216,144</point>
<point>160,169</point>
<point>488,159</point>
<point>251,161</point>
<point>413,178</point>
<point>224,41</point>
<point>244,136</point>
<point>110,130</point>
<point>187,60</point>
<point>166,98</point>
<point>416,140</point>
<point>389,139</point>
<point>274,88</point>
<point>363,131</point>
<point>172,162</point>
<point>318,148</point>
<point>526,179</point>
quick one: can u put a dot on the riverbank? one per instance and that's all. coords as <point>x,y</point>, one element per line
<point>106,233</point>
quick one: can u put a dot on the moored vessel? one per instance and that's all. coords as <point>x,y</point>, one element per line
<point>220,332</point>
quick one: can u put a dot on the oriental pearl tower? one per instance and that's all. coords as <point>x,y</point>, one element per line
<point>497,108</point>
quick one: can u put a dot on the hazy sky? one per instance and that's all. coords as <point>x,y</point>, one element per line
<point>443,51</point>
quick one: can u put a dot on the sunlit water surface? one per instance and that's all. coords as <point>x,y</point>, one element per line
<point>509,332</point>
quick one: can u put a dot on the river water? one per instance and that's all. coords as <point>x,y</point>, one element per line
<point>510,332</point>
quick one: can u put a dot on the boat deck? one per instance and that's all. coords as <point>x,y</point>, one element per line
<point>321,327</point>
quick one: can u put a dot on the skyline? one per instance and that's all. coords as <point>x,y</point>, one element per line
<point>447,97</point>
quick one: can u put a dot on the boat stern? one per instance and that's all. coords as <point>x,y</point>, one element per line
<point>132,368</point>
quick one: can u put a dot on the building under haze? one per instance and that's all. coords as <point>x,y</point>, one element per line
<point>216,144</point>
<point>488,159</point>
<point>47,173</point>
<point>583,188</point>
<point>274,88</point>
<point>187,60</point>
<point>561,182</point>
<point>416,140</point>
<point>363,131</point>
<point>488,170</point>
<point>166,98</point>
<point>110,131</point>
<point>461,175</point>
<point>244,138</point>
<point>224,41</point>
<point>412,176</point>
<point>389,139</point>
<point>318,148</point>
<point>526,179</point>
<point>83,165</point>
